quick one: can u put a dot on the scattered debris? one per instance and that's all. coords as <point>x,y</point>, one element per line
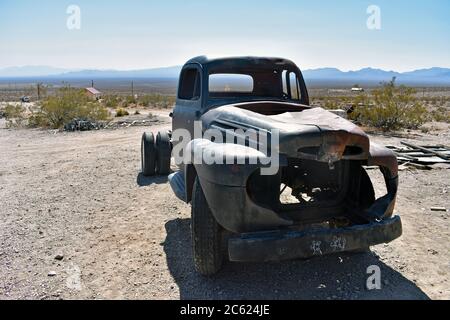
<point>130,123</point>
<point>420,157</point>
<point>84,124</point>
<point>406,165</point>
<point>436,150</point>
<point>59,257</point>
<point>81,124</point>
<point>438,209</point>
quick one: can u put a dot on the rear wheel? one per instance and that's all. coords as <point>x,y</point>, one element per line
<point>206,234</point>
<point>163,153</point>
<point>148,154</point>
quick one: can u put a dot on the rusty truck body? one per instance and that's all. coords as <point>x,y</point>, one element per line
<point>320,200</point>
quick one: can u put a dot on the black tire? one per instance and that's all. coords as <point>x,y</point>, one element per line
<point>163,153</point>
<point>206,235</point>
<point>148,154</point>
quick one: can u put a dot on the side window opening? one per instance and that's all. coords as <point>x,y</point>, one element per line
<point>284,82</point>
<point>189,84</point>
<point>294,87</point>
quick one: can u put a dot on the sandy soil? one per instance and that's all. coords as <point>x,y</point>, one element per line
<point>77,221</point>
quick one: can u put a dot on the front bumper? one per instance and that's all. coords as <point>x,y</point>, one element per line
<point>282,245</point>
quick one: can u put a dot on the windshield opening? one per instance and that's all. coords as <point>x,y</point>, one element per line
<point>255,84</point>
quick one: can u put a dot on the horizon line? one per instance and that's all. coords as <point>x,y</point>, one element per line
<point>69,69</point>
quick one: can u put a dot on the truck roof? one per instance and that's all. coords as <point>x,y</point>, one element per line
<point>242,62</point>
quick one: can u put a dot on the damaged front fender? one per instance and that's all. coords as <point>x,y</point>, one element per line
<point>386,160</point>
<point>225,185</point>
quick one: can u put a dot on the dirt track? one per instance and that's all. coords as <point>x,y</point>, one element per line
<point>121,235</point>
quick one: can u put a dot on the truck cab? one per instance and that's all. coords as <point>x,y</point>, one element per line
<point>205,84</point>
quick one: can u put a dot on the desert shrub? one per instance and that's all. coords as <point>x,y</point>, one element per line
<point>38,119</point>
<point>14,115</point>
<point>111,101</point>
<point>390,107</point>
<point>156,101</point>
<point>97,112</point>
<point>332,102</point>
<point>441,114</point>
<point>13,111</point>
<point>424,129</point>
<point>121,112</point>
<point>66,105</point>
<point>130,100</point>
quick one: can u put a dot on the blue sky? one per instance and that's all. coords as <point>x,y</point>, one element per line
<point>139,34</point>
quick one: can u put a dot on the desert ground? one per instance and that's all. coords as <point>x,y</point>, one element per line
<point>79,221</point>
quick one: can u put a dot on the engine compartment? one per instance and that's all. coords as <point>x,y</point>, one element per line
<point>308,191</point>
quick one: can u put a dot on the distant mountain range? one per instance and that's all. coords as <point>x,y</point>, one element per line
<point>167,72</point>
<point>50,72</point>
<point>431,76</point>
<point>30,71</point>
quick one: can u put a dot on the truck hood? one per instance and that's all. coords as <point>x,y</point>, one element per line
<point>310,133</point>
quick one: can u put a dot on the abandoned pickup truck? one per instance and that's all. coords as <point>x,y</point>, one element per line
<point>318,200</point>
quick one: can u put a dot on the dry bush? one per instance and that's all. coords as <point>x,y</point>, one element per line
<point>13,111</point>
<point>156,101</point>
<point>389,108</point>
<point>66,105</point>
<point>127,101</point>
<point>14,115</point>
<point>159,101</point>
<point>332,102</point>
<point>112,101</point>
<point>121,112</point>
<point>441,114</point>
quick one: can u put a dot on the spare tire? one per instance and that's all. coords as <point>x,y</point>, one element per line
<point>163,153</point>
<point>148,154</point>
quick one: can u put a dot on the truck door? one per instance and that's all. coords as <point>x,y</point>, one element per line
<point>188,106</point>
